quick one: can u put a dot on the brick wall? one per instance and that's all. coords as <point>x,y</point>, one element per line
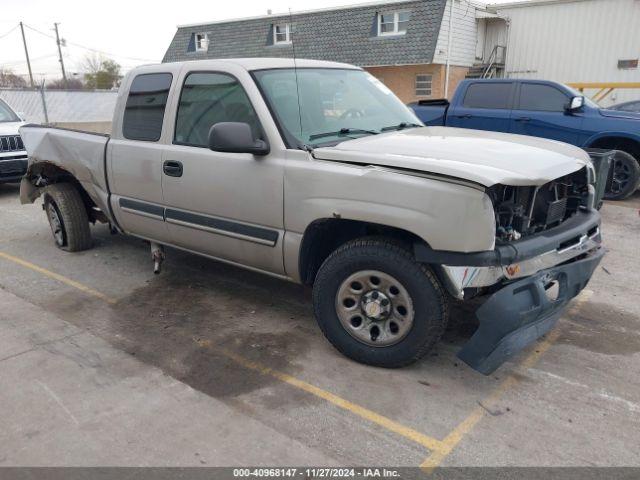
<point>402,79</point>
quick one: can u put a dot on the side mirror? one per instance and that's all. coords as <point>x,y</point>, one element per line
<point>576,103</point>
<point>236,137</point>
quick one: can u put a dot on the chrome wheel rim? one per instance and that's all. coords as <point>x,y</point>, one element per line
<point>55,223</point>
<point>374,308</point>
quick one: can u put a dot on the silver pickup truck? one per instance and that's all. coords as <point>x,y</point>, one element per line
<point>314,172</point>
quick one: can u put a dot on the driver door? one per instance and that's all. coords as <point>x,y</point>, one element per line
<point>225,205</point>
<point>540,111</point>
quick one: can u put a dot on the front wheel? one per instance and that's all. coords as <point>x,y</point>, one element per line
<point>624,177</point>
<point>378,306</point>
<point>67,217</point>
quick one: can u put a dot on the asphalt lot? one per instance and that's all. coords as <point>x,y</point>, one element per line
<point>103,363</point>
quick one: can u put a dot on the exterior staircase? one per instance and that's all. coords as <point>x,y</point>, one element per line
<point>493,67</point>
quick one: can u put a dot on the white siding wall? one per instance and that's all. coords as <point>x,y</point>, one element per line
<point>576,41</point>
<point>496,34</point>
<point>464,37</point>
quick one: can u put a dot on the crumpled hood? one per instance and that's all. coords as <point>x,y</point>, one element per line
<point>483,157</point>
<point>10,128</point>
<point>619,114</point>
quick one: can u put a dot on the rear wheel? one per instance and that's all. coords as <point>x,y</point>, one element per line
<point>624,177</point>
<point>376,305</point>
<point>67,217</point>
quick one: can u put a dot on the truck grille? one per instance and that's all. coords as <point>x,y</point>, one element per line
<point>11,143</point>
<point>526,210</point>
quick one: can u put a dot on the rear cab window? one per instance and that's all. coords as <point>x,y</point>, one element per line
<point>145,107</point>
<point>494,96</point>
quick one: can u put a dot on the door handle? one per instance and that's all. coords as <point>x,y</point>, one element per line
<point>172,168</point>
<point>523,119</point>
<point>464,116</point>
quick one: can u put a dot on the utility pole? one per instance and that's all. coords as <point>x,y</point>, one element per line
<point>64,74</point>
<point>26,53</point>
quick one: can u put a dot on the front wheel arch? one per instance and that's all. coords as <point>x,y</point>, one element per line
<point>323,236</point>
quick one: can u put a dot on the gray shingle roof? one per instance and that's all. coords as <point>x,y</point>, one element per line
<point>346,35</point>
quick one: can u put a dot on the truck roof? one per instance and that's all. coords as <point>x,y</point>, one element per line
<point>264,63</point>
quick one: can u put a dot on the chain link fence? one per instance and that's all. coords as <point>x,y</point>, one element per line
<point>87,110</point>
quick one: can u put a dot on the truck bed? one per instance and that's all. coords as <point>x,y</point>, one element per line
<point>80,153</point>
<point>431,112</point>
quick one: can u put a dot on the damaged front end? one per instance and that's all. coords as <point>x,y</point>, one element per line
<point>548,244</point>
<point>523,311</point>
<point>523,211</point>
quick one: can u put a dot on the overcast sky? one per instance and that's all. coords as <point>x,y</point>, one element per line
<point>129,31</point>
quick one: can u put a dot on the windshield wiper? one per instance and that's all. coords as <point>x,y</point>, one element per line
<point>400,126</point>
<point>342,132</point>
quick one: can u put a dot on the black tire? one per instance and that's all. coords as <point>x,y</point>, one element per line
<point>67,217</point>
<point>624,177</point>
<point>430,305</point>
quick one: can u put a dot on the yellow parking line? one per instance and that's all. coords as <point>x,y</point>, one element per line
<point>440,449</point>
<point>362,412</point>
<point>58,277</point>
<point>457,434</point>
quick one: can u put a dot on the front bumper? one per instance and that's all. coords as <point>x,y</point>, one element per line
<point>508,262</point>
<point>462,278</point>
<point>522,312</point>
<point>520,272</point>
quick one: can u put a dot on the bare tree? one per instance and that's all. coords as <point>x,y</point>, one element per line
<point>10,79</point>
<point>92,62</point>
<point>100,72</point>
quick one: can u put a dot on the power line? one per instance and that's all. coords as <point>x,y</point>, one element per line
<point>91,49</point>
<point>110,54</point>
<point>19,62</point>
<point>40,32</point>
<point>10,31</point>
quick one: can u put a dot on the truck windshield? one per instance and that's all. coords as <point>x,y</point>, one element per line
<point>335,104</point>
<point>6,114</point>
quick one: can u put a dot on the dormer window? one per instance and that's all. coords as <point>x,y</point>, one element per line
<point>282,33</point>
<point>393,23</point>
<point>202,42</point>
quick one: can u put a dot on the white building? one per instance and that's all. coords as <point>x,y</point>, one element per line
<point>569,41</point>
<point>422,48</point>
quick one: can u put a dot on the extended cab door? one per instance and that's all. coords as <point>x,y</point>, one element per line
<point>485,105</point>
<point>135,150</point>
<point>225,205</point>
<point>540,111</point>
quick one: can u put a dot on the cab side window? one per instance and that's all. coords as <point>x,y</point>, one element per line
<point>144,111</point>
<point>207,99</point>
<point>542,98</point>
<point>490,96</point>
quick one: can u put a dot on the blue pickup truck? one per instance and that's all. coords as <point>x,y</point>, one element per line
<point>544,109</point>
